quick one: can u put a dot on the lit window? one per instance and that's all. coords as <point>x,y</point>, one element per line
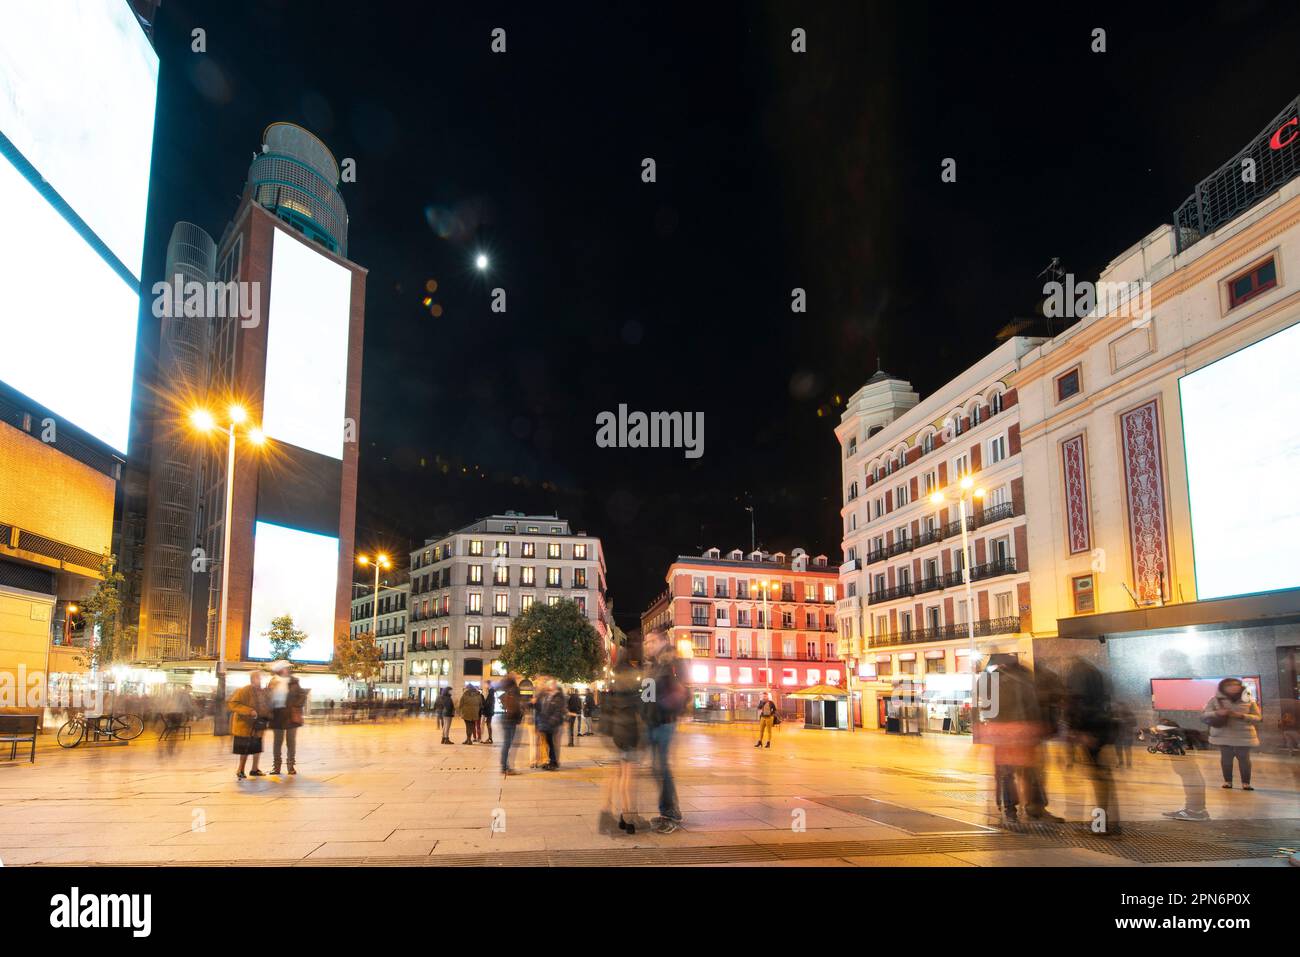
<point>745,676</point>
<point>723,675</point>
<point>553,550</point>
<point>580,551</point>
<point>700,674</point>
<point>789,676</point>
<point>475,546</point>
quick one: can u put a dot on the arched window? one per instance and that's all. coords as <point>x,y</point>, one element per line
<point>975,415</point>
<point>927,443</point>
<point>995,404</point>
<point>956,423</point>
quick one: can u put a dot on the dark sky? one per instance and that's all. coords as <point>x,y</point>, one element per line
<point>775,170</point>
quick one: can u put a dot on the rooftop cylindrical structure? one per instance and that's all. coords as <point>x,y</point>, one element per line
<point>296,177</point>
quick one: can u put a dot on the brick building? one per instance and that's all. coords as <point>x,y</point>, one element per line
<point>736,645</point>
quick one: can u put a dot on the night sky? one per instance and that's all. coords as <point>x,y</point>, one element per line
<point>775,170</point>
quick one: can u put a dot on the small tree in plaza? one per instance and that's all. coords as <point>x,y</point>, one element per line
<point>357,659</point>
<point>284,637</point>
<point>109,641</point>
<point>555,640</point>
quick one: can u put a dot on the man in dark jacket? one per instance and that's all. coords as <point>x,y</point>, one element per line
<point>551,712</point>
<point>512,712</point>
<point>664,696</point>
<point>574,705</point>
<point>1090,717</point>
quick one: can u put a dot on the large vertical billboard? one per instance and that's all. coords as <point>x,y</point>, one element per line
<point>1241,436</point>
<point>306,347</point>
<point>294,573</point>
<point>78,89</point>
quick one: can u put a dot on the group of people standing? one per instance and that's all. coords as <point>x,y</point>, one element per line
<point>279,705</point>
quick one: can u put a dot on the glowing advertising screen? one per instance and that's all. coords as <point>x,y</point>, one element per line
<point>67,320</point>
<point>1241,434</point>
<point>294,573</point>
<point>78,87</point>
<point>306,348</point>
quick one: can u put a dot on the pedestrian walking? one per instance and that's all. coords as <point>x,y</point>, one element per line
<point>1016,729</point>
<point>249,715</point>
<point>1090,716</point>
<point>767,718</point>
<point>621,721</point>
<point>444,710</point>
<point>666,704</point>
<point>512,712</point>
<point>588,713</point>
<point>489,709</point>
<point>551,712</point>
<point>573,705</point>
<point>470,707</point>
<point>1232,715</point>
<point>288,703</point>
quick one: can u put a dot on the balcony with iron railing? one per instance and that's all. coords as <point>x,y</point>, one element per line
<point>983,629</point>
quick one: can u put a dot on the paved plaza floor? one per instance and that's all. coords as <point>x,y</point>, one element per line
<point>389,793</point>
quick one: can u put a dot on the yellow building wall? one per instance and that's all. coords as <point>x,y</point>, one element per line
<point>24,635</point>
<point>48,493</point>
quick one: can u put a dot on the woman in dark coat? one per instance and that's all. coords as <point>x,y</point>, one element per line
<point>620,711</point>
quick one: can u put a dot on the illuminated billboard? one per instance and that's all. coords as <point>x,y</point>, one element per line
<point>306,347</point>
<point>294,573</point>
<point>78,90</point>
<point>78,87</point>
<point>1241,436</point>
<point>68,320</point>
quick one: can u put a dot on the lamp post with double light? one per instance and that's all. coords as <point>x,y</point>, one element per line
<point>966,490</point>
<point>764,587</point>
<point>204,421</point>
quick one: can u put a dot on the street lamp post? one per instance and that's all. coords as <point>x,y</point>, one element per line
<point>205,422</point>
<point>380,561</point>
<point>965,490</point>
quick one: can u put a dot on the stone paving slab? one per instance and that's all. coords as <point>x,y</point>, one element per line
<point>388,793</point>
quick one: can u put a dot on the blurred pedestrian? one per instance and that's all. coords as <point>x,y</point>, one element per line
<point>1288,722</point>
<point>1125,732</point>
<point>1232,715</point>
<point>489,709</point>
<point>551,712</point>
<point>444,710</point>
<point>249,715</point>
<point>666,702</point>
<point>470,707</point>
<point>1090,716</point>
<point>766,719</point>
<point>1013,723</point>
<point>288,703</point>
<point>512,712</point>
<point>620,720</point>
<point>574,717</point>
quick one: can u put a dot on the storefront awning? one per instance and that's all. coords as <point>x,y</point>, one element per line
<point>1220,612</point>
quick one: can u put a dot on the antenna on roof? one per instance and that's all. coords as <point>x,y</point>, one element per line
<point>1054,273</point>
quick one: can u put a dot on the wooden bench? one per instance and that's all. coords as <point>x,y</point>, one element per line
<point>16,729</point>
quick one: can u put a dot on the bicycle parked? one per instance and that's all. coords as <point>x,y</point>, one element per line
<point>115,727</point>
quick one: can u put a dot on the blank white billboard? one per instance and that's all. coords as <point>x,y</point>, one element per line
<point>78,88</point>
<point>307,347</point>
<point>294,573</point>
<point>67,320</point>
<point>1241,434</point>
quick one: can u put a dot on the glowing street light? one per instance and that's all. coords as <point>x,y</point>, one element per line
<point>203,420</point>
<point>379,561</point>
<point>481,262</point>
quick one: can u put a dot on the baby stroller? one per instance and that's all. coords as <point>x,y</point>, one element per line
<point>1166,739</point>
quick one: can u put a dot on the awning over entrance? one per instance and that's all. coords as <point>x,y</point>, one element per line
<point>1246,610</point>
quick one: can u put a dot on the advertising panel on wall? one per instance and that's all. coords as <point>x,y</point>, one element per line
<point>77,97</point>
<point>306,347</point>
<point>294,573</point>
<point>1242,440</point>
<point>78,91</point>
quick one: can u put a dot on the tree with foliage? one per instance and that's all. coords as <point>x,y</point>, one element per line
<point>285,638</point>
<point>357,659</point>
<point>555,640</point>
<point>109,641</point>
